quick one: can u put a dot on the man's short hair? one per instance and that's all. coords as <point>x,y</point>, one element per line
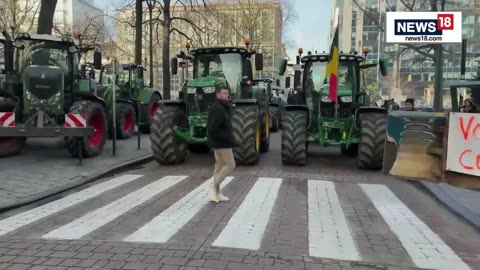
<point>410,100</point>
<point>218,90</point>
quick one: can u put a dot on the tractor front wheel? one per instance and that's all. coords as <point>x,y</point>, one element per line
<point>274,116</point>
<point>247,129</point>
<point>167,148</point>
<point>372,140</point>
<point>265,137</point>
<point>10,146</point>
<point>93,144</point>
<point>294,138</point>
<point>149,112</point>
<point>126,120</point>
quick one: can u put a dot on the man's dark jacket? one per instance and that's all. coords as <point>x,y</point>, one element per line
<point>220,131</point>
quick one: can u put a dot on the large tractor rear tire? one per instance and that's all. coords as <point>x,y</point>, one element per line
<point>126,121</point>
<point>275,118</point>
<point>294,138</point>
<point>10,146</point>
<point>247,131</point>
<point>167,148</point>
<point>372,141</point>
<point>93,144</point>
<point>149,112</point>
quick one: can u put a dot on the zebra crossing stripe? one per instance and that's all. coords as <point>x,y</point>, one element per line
<point>15,222</point>
<point>169,222</point>
<point>98,218</point>
<point>246,227</point>
<point>329,235</point>
<point>424,246</point>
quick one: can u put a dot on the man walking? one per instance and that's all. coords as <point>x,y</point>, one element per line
<point>221,140</point>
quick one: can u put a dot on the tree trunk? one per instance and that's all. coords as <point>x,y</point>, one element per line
<point>166,50</point>
<point>45,17</point>
<point>438,84</point>
<point>138,31</point>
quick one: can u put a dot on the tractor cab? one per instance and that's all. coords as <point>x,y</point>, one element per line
<point>215,68</point>
<point>48,70</point>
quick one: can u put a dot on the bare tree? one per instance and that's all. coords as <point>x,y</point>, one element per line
<point>19,16</point>
<point>90,33</point>
<point>45,17</point>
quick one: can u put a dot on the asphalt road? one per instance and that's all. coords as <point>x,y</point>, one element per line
<point>326,215</point>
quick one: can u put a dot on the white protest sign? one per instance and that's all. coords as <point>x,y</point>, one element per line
<point>463,154</point>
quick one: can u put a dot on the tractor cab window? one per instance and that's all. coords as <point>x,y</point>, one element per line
<point>316,76</point>
<point>227,66</point>
<point>45,53</point>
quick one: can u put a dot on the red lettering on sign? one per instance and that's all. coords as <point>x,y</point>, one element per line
<point>460,160</point>
<point>466,130</point>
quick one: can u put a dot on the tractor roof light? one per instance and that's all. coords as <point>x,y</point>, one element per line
<point>365,50</point>
<point>300,51</point>
<point>24,35</point>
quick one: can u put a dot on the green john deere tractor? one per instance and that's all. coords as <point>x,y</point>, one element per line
<point>47,96</point>
<point>265,85</point>
<point>350,122</point>
<point>129,87</point>
<point>181,124</point>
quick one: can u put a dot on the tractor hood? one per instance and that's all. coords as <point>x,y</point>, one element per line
<point>343,90</point>
<point>207,82</point>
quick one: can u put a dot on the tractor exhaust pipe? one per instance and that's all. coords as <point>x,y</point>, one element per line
<point>8,50</point>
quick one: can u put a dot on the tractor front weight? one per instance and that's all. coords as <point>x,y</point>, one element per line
<point>41,125</point>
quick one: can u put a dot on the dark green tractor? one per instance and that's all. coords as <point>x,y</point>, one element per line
<point>350,122</point>
<point>48,96</point>
<point>129,86</point>
<point>182,124</point>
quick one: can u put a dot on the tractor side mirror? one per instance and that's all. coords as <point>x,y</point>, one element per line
<point>174,66</point>
<point>287,82</point>
<point>97,60</point>
<point>259,61</point>
<point>383,67</point>
<point>282,67</point>
<point>278,82</point>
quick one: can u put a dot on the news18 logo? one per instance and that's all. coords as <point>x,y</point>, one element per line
<point>424,27</point>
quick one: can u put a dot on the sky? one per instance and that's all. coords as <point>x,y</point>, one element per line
<point>309,29</point>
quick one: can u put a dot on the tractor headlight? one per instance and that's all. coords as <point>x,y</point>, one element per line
<point>326,99</point>
<point>209,90</point>
<point>191,90</point>
<point>30,97</point>
<point>346,99</point>
<point>55,99</point>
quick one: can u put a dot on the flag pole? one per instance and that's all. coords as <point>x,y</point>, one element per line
<point>335,24</point>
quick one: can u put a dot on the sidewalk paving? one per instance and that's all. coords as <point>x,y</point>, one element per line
<point>45,167</point>
<point>464,202</point>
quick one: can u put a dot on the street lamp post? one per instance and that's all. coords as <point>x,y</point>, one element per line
<point>151,4</point>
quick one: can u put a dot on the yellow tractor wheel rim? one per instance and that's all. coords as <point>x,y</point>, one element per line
<point>257,136</point>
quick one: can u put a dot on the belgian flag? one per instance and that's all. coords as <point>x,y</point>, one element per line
<point>332,67</point>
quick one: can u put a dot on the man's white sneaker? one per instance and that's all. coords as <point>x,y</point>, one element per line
<point>223,198</point>
<point>213,195</point>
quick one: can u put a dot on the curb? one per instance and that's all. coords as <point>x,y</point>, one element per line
<point>96,176</point>
<point>456,208</point>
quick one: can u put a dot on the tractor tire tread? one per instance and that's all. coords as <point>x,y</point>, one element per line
<point>244,125</point>
<point>372,141</point>
<point>294,138</point>
<point>164,145</point>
